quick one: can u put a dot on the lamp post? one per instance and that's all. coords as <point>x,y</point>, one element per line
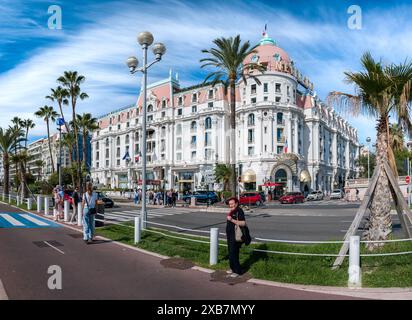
<point>60,122</point>
<point>145,39</point>
<point>368,140</point>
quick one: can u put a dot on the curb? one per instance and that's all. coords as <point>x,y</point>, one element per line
<point>368,293</point>
<point>3,294</point>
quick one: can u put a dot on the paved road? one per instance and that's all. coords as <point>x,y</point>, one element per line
<point>105,270</point>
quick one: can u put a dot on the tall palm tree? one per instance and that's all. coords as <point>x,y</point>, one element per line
<point>227,58</point>
<point>87,124</point>
<point>8,141</point>
<point>39,164</point>
<point>48,113</point>
<point>27,124</point>
<point>60,95</point>
<point>21,160</point>
<point>68,141</point>
<point>223,173</point>
<point>396,137</point>
<point>71,80</point>
<point>381,91</point>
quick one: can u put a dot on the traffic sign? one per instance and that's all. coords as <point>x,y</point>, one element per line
<point>408,179</point>
<point>60,121</point>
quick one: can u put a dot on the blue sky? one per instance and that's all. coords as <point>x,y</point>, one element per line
<point>98,36</point>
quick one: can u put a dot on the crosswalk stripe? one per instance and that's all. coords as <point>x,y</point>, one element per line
<point>11,220</point>
<point>34,220</point>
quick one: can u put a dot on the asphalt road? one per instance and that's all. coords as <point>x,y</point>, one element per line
<point>105,270</point>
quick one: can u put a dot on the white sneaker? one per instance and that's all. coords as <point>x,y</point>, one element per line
<point>234,275</point>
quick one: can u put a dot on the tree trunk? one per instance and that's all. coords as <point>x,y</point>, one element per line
<point>233,179</point>
<point>380,223</point>
<point>6,167</point>
<point>79,174</point>
<point>84,150</point>
<point>23,183</point>
<point>50,150</point>
<point>61,112</point>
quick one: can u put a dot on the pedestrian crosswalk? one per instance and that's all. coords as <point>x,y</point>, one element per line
<point>128,215</point>
<point>24,220</point>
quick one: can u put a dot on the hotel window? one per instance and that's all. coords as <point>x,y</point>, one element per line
<point>163,132</point>
<point>265,87</point>
<point>194,109</point>
<point>266,148</point>
<point>136,121</point>
<point>208,123</point>
<point>208,140</point>
<point>288,91</point>
<point>179,129</point>
<point>266,129</point>
<point>179,144</point>
<point>127,149</point>
<point>150,118</point>
<point>208,154</point>
<point>97,145</point>
<point>251,151</point>
<point>253,89</point>
<point>244,91</point>
<point>163,114</point>
<point>193,126</point>
<point>107,153</point>
<point>118,117</point>
<point>251,136</point>
<point>162,145</point>
<point>118,127</point>
<point>164,104</point>
<point>118,162</point>
<point>210,96</point>
<point>279,118</point>
<point>277,99</point>
<point>110,121</point>
<point>193,142</point>
<point>179,156</point>
<point>193,155</point>
<point>179,112</point>
<point>118,152</point>
<point>136,148</point>
<point>253,100</point>
<point>180,101</point>
<point>97,165</point>
<point>150,108</point>
<point>210,105</point>
<point>127,124</point>
<point>118,141</point>
<point>127,139</point>
<point>251,119</point>
<point>110,128</point>
<point>277,88</point>
<point>128,115</point>
<point>97,155</point>
<point>265,98</point>
<point>137,111</point>
<point>279,150</point>
<point>107,163</point>
<point>279,134</point>
<point>194,97</point>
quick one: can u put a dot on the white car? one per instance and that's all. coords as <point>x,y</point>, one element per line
<point>336,194</point>
<point>315,195</point>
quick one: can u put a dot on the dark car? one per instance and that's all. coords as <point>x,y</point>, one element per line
<point>108,203</point>
<point>209,197</point>
<point>292,197</point>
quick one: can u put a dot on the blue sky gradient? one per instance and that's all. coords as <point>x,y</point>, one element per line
<point>98,36</point>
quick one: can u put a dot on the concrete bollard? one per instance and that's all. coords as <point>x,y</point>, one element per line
<point>137,229</point>
<point>354,263</point>
<point>66,211</point>
<point>9,198</point>
<point>17,200</point>
<point>29,203</point>
<point>38,204</point>
<point>4,196</point>
<point>46,206</point>
<point>79,215</point>
<point>214,246</point>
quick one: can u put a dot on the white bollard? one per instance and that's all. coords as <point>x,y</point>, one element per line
<point>137,230</point>
<point>46,206</point>
<point>29,203</point>
<point>354,263</point>
<point>66,211</point>
<point>9,198</point>
<point>214,246</point>
<point>79,215</point>
<point>38,204</point>
<point>17,200</point>
<point>4,196</point>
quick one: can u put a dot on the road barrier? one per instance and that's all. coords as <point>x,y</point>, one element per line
<point>79,215</point>
<point>66,210</point>
<point>137,229</point>
<point>38,204</point>
<point>46,206</point>
<point>29,203</point>
<point>214,246</point>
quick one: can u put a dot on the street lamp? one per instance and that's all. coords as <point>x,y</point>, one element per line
<point>368,140</point>
<point>145,39</point>
<point>60,122</point>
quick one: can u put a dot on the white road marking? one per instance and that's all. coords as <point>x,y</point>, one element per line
<point>3,294</point>
<point>53,247</point>
<point>34,220</point>
<point>11,220</point>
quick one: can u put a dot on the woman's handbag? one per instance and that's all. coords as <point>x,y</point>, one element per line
<point>91,211</point>
<point>242,234</point>
<point>238,234</point>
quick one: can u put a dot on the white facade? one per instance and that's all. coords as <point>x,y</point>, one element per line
<point>284,134</point>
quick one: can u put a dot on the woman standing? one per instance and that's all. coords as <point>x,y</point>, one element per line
<point>236,216</point>
<point>89,206</point>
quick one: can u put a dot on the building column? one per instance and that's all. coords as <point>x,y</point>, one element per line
<point>296,143</point>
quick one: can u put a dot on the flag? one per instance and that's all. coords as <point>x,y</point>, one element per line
<point>137,157</point>
<point>126,156</point>
<point>264,32</point>
<point>286,146</point>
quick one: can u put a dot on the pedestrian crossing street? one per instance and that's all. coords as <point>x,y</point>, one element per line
<point>122,216</point>
<point>24,220</point>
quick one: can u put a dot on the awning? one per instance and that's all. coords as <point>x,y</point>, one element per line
<point>304,176</point>
<point>150,182</point>
<point>272,184</point>
<point>187,181</point>
<point>249,176</point>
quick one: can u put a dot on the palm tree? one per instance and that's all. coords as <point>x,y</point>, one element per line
<point>87,124</point>
<point>71,80</point>
<point>60,95</point>
<point>381,91</point>
<point>21,159</point>
<point>223,174</point>
<point>27,124</point>
<point>228,58</point>
<point>8,142</point>
<point>48,113</point>
<point>39,164</point>
<point>396,137</point>
<point>68,140</point>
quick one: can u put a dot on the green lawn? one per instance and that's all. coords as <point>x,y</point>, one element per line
<point>376,271</point>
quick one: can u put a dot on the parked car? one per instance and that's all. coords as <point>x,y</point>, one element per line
<point>248,198</point>
<point>315,195</point>
<point>292,197</point>
<point>108,203</point>
<point>336,194</point>
<point>209,197</point>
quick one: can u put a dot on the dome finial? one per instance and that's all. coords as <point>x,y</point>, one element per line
<point>266,39</point>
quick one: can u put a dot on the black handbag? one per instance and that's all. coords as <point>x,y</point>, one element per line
<point>91,211</point>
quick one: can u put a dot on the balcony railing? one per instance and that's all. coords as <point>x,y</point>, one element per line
<point>281,139</point>
<point>280,122</point>
<point>193,145</point>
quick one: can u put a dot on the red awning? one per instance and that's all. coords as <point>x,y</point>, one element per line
<point>272,184</point>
